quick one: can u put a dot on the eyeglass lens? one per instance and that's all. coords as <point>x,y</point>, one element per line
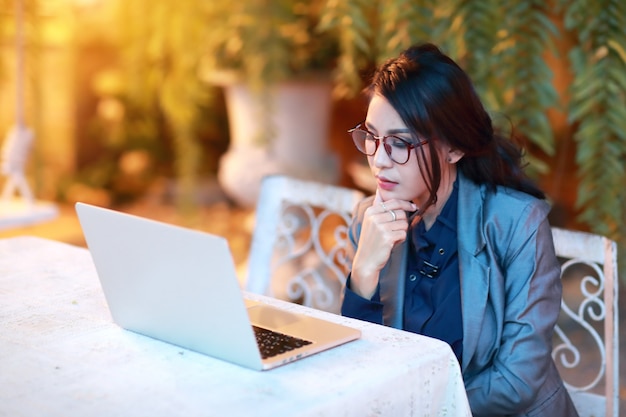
<point>397,149</point>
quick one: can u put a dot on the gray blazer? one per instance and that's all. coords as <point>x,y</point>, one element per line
<point>510,294</point>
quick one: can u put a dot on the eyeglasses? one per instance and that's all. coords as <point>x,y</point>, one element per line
<point>398,149</point>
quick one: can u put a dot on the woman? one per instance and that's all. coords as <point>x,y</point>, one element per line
<point>455,244</point>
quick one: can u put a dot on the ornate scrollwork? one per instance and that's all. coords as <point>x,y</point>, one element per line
<point>311,259</point>
<point>590,310</point>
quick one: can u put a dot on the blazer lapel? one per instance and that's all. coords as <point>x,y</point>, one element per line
<point>474,274</point>
<point>474,294</point>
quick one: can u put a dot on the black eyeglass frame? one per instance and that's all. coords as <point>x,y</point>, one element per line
<point>377,139</point>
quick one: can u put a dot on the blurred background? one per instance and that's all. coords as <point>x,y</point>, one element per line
<point>176,109</point>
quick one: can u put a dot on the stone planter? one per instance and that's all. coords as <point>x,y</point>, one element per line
<point>297,116</point>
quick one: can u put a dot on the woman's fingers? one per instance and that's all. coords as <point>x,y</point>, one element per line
<point>400,205</point>
<point>377,198</point>
<point>394,210</point>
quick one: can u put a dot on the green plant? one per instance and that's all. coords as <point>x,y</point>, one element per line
<point>266,41</point>
<point>162,43</point>
<point>598,110</point>
<point>503,48</point>
<point>261,43</point>
<point>369,32</point>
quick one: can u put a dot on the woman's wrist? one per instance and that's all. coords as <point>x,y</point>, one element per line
<point>364,283</point>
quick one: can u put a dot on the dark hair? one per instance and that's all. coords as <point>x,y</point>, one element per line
<point>435,98</point>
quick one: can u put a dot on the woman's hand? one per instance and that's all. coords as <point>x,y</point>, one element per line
<point>385,223</point>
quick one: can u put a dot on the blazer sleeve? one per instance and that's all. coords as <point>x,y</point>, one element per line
<point>525,292</point>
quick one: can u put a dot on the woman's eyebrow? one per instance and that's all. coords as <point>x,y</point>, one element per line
<point>390,132</point>
<point>396,131</point>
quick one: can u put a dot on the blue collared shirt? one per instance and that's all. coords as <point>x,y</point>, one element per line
<point>432,296</point>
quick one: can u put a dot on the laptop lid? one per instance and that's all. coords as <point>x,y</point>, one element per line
<point>179,285</point>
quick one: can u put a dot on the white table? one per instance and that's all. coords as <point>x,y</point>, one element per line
<point>61,355</point>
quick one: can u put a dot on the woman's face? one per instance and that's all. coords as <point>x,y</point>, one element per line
<point>394,181</point>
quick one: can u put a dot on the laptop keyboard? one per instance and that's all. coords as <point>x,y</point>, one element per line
<point>273,343</point>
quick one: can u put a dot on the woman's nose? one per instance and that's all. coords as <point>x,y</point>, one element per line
<point>381,158</point>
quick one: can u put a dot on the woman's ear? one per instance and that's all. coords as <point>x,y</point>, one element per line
<point>454,156</point>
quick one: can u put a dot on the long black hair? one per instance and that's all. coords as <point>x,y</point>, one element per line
<point>436,100</point>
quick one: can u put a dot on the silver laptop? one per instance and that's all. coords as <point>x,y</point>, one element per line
<point>179,285</point>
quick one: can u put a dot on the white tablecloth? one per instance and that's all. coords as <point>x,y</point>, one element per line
<point>61,355</point>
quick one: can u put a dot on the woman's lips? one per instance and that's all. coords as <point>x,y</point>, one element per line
<point>385,184</point>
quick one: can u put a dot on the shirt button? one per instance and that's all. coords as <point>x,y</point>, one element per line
<point>412,277</point>
<point>441,251</point>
